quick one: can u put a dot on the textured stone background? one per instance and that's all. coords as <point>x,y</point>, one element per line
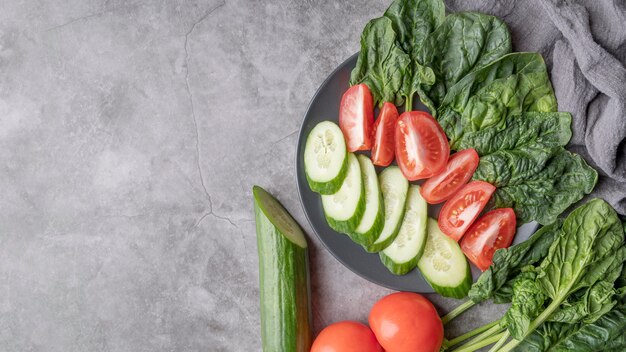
<point>131,133</point>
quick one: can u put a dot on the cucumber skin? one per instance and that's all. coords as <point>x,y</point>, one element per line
<point>406,267</point>
<point>400,269</point>
<point>284,289</point>
<point>369,237</point>
<point>459,291</point>
<point>348,226</point>
<point>333,185</point>
<point>377,247</point>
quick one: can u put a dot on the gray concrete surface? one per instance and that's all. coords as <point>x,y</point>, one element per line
<point>131,133</point>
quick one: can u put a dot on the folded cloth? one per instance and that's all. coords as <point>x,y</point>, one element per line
<point>584,45</point>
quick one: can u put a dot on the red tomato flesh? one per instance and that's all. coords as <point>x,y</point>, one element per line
<point>422,148</point>
<point>492,231</point>
<point>406,322</point>
<point>356,117</point>
<point>346,336</point>
<point>459,212</point>
<point>383,149</point>
<point>458,171</point>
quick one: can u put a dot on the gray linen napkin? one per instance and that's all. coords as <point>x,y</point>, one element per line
<point>584,45</point>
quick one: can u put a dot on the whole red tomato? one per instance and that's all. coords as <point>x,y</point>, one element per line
<point>346,336</point>
<point>406,321</point>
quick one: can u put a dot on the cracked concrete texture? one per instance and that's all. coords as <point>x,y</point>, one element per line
<point>131,134</point>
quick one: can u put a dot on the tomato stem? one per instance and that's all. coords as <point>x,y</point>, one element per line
<point>457,311</point>
<point>472,333</point>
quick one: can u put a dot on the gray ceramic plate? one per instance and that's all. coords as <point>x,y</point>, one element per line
<point>325,106</point>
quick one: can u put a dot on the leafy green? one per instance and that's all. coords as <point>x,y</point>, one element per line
<point>605,334</point>
<point>511,85</point>
<point>564,180</point>
<point>414,20</point>
<point>382,65</point>
<point>464,42</point>
<point>590,235</point>
<point>589,251</point>
<point>519,150</point>
<point>525,305</point>
<point>546,129</point>
<point>589,306</point>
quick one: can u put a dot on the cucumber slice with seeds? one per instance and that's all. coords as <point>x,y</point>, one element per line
<point>394,188</point>
<point>344,209</point>
<point>325,158</point>
<point>444,265</point>
<point>402,254</point>
<point>374,217</point>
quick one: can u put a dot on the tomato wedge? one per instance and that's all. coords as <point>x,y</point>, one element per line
<point>356,117</point>
<point>459,212</point>
<point>384,130</point>
<point>422,148</point>
<point>492,231</point>
<point>458,171</point>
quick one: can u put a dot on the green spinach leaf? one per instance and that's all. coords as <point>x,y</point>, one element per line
<point>511,85</point>
<point>382,65</point>
<point>525,305</point>
<point>605,334</point>
<point>589,306</point>
<point>519,150</point>
<point>585,253</point>
<point>463,43</point>
<point>543,196</point>
<point>414,20</point>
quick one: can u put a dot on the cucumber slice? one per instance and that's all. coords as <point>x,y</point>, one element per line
<point>394,188</point>
<point>283,277</point>
<point>402,254</point>
<point>374,217</point>
<point>325,158</point>
<point>444,265</point>
<point>344,209</point>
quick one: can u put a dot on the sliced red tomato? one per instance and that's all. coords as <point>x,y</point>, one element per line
<point>383,149</point>
<point>346,336</point>
<point>406,322</point>
<point>356,117</point>
<point>459,212</point>
<point>491,232</point>
<point>422,148</point>
<point>458,171</point>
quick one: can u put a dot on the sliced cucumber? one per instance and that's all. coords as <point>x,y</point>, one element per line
<point>374,217</point>
<point>325,158</point>
<point>283,277</point>
<point>344,209</point>
<point>394,188</point>
<point>444,265</point>
<point>402,254</point>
